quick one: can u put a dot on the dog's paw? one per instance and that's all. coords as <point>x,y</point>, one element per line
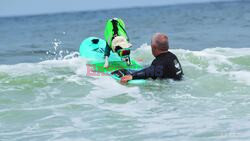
<point>106,65</point>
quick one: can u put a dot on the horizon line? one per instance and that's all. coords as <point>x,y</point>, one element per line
<point>110,9</point>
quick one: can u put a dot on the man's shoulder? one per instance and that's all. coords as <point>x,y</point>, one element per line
<point>171,53</point>
<point>167,55</point>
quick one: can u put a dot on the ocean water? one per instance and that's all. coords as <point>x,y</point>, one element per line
<point>47,94</point>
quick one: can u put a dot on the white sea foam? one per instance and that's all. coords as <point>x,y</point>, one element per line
<point>212,60</point>
<point>240,76</point>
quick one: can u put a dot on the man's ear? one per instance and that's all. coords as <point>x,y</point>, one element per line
<point>153,47</point>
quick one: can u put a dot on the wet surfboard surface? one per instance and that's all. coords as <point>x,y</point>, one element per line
<point>93,48</point>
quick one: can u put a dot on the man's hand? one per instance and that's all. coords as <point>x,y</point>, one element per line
<point>126,78</point>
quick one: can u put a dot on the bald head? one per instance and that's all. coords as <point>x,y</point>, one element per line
<point>160,41</point>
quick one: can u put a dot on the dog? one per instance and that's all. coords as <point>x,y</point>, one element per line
<point>117,41</point>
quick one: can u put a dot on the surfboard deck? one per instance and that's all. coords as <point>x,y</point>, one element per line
<point>93,49</point>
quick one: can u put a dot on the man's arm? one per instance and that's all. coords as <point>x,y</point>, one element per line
<point>142,74</point>
<point>145,73</point>
<point>154,71</point>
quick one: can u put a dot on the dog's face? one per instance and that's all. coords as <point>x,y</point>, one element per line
<point>124,54</point>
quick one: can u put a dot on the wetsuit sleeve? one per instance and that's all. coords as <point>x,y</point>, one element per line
<point>154,71</point>
<point>142,74</point>
<point>107,50</point>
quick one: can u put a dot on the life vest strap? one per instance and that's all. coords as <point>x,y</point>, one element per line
<point>115,28</point>
<point>115,24</point>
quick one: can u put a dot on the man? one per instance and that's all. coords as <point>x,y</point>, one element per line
<point>165,64</point>
<point>117,40</point>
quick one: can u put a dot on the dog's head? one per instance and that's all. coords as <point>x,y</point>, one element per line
<point>124,54</point>
<point>122,47</point>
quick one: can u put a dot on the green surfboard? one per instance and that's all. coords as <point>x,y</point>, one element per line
<point>93,49</point>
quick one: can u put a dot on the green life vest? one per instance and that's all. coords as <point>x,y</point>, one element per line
<point>114,27</point>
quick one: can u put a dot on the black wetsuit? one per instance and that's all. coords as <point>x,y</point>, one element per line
<point>165,65</point>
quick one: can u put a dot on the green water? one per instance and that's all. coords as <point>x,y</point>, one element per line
<point>55,100</point>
